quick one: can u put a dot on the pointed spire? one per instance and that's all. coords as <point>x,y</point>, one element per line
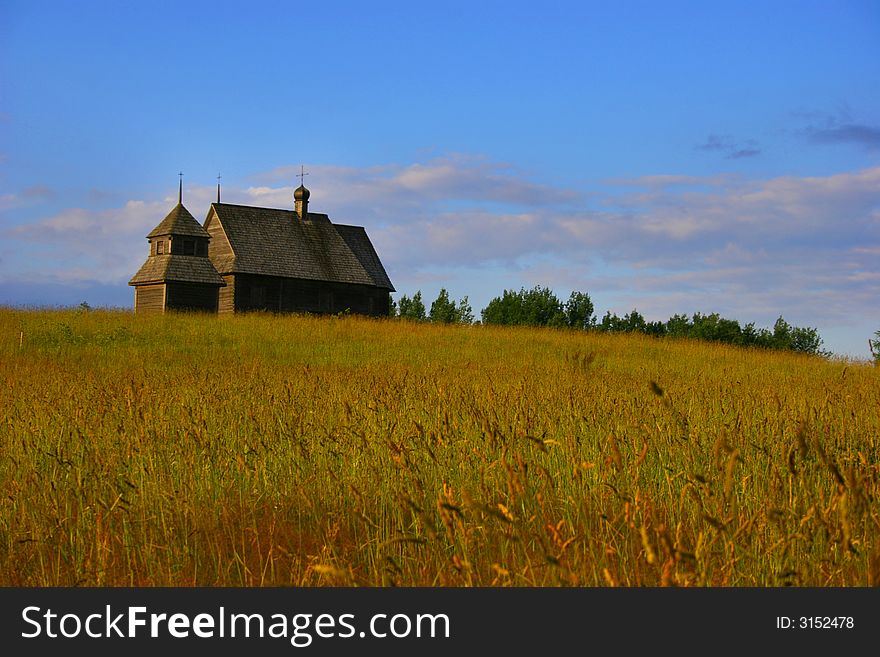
<point>218,186</point>
<point>180,189</point>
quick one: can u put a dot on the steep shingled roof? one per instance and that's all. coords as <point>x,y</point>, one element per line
<point>360,245</point>
<point>179,222</point>
<point>189,269</point>
<point>273,242</point>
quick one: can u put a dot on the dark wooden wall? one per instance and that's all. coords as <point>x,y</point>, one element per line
<point>149,298</point>
<point>246,292</point>
<point>191,296</point>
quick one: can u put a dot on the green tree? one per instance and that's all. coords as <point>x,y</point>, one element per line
<point>542,308</point>
<point>610,322</point>
<point>579,311</point>
<point>535,307</point>
<point>464,312</point>
<point>503,310</point>
<point>874,346</point>
<point>755,337</point>
<point>413,308</point>
<point>632,322</point>
<point>443,311</point>
<point>657,329</point>
<point>678,326</point>
<point>715,328</point>
<point>781,334</point>
<point>635,322</point>
<point>806,341</point>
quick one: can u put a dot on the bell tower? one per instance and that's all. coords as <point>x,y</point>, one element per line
<point>177,273</point>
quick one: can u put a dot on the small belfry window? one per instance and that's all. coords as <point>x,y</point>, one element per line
<point>160,247</point>
<point>189,247</point>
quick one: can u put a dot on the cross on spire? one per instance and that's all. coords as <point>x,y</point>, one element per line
<point>180,188</point>
<point>302,175</point>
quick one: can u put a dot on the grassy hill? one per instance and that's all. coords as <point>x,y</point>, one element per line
<point>261,450</point>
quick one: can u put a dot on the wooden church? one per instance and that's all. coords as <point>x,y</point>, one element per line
<point>249,258</point>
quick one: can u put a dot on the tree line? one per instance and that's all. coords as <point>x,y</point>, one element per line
<point>539,306</point>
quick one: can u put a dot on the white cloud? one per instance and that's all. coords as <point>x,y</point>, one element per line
<point>82,225</point>
<point>78,244</point>
<point>455,178</point>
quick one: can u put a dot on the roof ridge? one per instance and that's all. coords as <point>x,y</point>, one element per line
<point>255,207</point>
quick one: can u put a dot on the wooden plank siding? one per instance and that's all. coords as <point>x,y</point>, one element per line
<point>219,246</point>
<point>226,300</point>
<point>253,292</point>
<point>149,298</point>
<point>191,296</point>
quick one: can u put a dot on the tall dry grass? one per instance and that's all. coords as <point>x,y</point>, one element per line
<point>260,450</point>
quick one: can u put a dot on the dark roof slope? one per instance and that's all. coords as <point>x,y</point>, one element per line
<point>360,245</point>
<point>274,242</point>
<point>189,269</point>
<point>179,222</point>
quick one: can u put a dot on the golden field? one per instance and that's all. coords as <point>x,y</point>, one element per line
<point>258,450</point>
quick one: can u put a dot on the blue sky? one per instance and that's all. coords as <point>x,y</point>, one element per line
<point>671,157</point>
